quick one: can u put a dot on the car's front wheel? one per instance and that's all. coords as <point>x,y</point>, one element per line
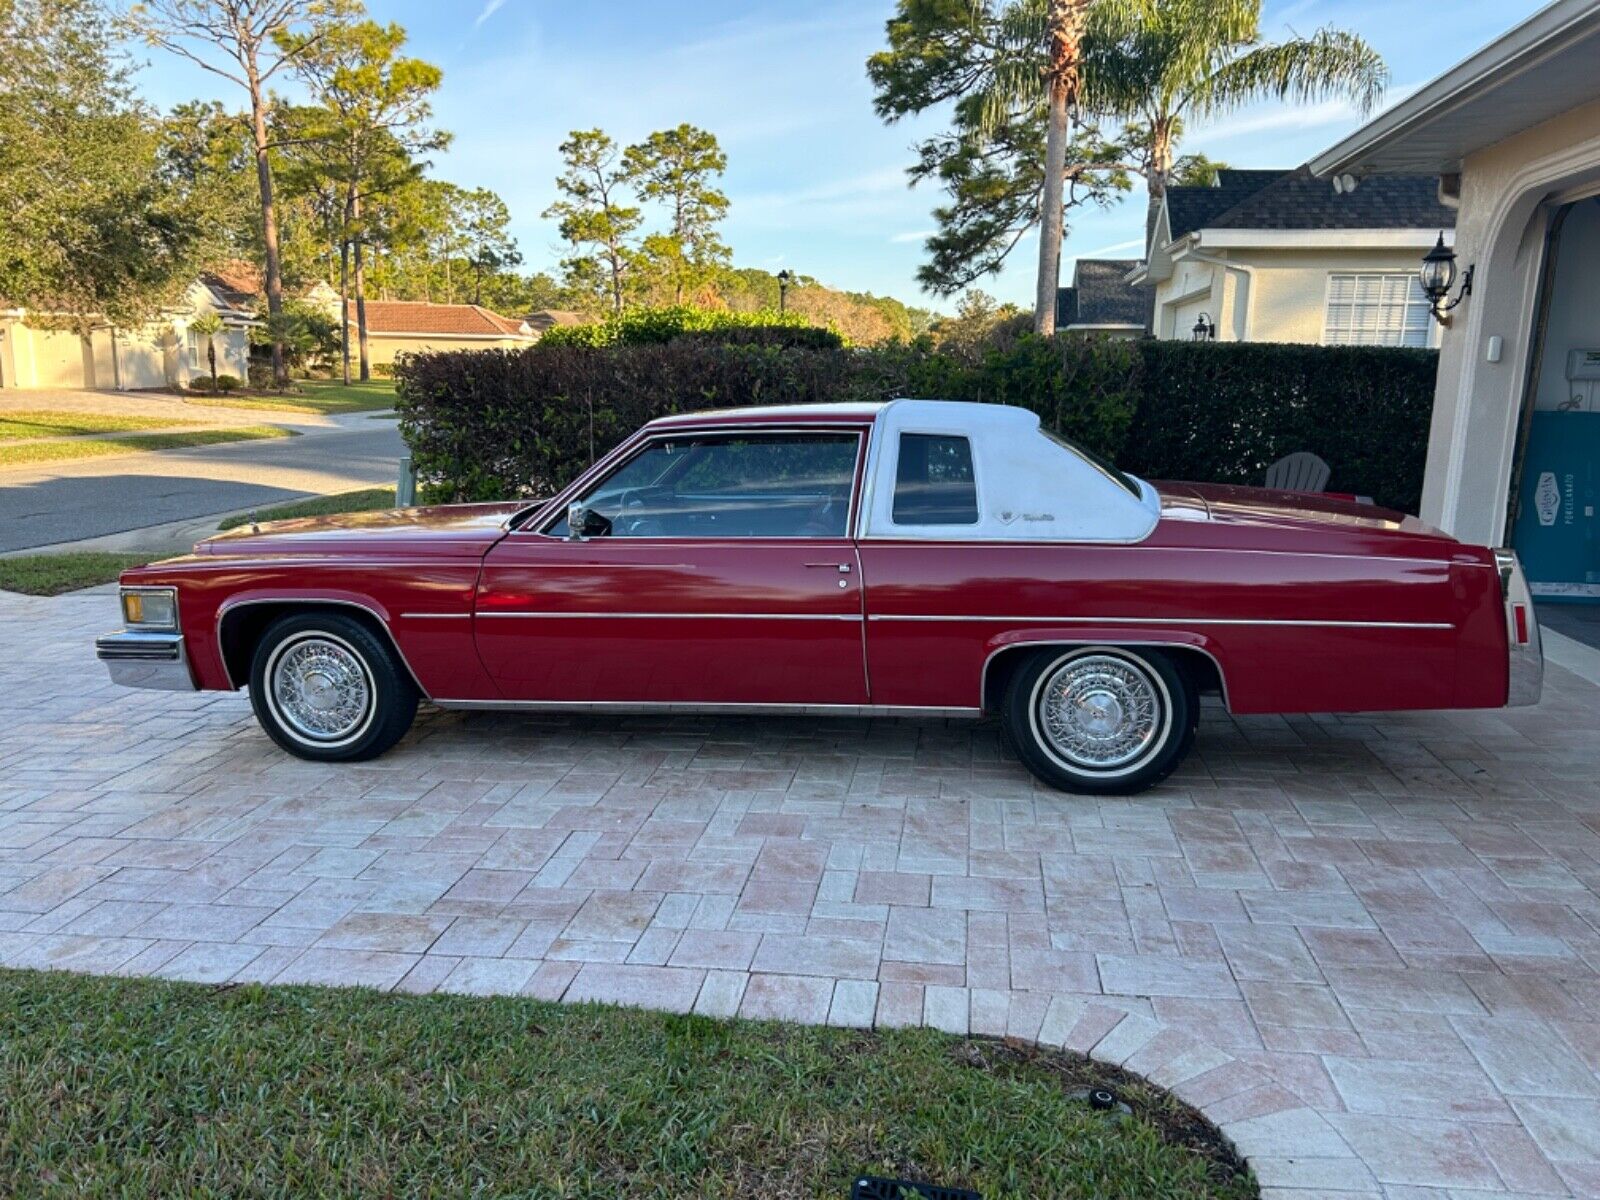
<point>326,688</point>
<point>1101,719</point>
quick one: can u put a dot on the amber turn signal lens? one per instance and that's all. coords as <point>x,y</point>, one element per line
<point>150,608</point>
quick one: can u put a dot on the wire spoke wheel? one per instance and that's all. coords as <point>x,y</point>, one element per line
<point>1100,713</point>
<point>321,688</point>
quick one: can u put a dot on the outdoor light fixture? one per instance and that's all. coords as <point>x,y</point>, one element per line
<point>1205,330</point>
<point>783,289</point>
<point>1438,274</point>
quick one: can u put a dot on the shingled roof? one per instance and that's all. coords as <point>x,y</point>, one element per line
<point>1298,200</point>
<point>1191,208</point>
<point>416,316</point>
<point>235,285</point>
<point>1100,296</point>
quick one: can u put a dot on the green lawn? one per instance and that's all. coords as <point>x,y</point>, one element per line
<point>52,574</point>
<point>365,500</point>
<point>44,450</point>
<point>16,426</point>
<point>315,396</point>
<point>129,1087</point>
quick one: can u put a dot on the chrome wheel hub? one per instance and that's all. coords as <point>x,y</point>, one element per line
<point>1100,712</point>
<point>321,689</point>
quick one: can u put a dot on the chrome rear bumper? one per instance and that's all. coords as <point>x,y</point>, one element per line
<point>139,659</point>
<point>1524,649</point>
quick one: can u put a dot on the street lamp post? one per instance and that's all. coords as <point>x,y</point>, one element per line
<point>783,291</point>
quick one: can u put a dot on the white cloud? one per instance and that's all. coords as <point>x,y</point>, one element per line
<point>912,235</point>
<point>489,10</point>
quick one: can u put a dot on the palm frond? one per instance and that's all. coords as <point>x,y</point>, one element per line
<point>1329,63</point>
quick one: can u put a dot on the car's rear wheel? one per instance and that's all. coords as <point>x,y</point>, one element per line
<point>1101,719</point>
<point>326,688</point>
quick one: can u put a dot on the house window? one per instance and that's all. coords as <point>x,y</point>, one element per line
<point>197,349</point>
<point>1376,310</point>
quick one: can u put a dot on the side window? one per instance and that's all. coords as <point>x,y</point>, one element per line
<point>933,481</point>
<point>730,486</point>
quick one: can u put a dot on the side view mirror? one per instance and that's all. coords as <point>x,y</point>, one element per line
<point>586,523</point>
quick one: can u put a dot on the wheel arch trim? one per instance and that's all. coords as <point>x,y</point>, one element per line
<point>1039,641</point>
<point>310,600</point>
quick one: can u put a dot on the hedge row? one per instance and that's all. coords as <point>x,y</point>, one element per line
<point>656,326</point>
<point>486,425</point>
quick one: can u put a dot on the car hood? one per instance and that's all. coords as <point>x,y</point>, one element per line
<point>450,529</point>
<point>1235,505</point>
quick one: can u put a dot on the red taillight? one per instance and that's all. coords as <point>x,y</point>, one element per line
<point>1519,621</point>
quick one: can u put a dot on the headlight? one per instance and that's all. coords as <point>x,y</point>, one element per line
<point>150,608</point>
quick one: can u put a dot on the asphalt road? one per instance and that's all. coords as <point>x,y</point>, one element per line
<point>62,502</point>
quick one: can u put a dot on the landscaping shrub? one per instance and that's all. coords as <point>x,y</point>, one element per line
<point>224,383</point>
<point>497,424</point>
<point>657,326</point>
<point>1224,413</point>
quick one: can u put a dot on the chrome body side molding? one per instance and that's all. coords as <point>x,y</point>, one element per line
<point>645,707</point>
<point>1180,622</point>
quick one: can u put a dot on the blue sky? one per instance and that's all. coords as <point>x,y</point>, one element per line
<point>816,181</point>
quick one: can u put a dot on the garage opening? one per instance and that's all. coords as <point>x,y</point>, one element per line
<point>1556,491</point>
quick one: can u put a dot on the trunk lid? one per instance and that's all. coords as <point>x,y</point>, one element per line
<point>1234,505</point>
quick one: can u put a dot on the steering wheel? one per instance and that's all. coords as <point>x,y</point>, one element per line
<point>632,518</point>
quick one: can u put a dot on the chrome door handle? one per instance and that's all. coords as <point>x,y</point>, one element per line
<point>842,568</point>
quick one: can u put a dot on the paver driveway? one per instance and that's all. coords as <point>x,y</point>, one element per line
<point>1368,948</point>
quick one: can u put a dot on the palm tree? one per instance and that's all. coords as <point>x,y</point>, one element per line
<point>1157,63</point>
<point>208,325</point>
<point>1023,79</point>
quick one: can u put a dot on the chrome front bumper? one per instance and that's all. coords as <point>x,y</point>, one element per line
<point>1522,633</point>
<point>139,659</point>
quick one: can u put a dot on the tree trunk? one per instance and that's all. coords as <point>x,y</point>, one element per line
<point>1065,23</point>
<point>616,282</point>
<point>211,361</point>
<point>361,292</point>
<point>1051,216</point>
<point>344,305</point>
<point>269,225</point>
<point>1158,174</point>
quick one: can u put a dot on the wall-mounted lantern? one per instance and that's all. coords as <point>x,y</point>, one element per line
<point>1205,330</point>
<point>1438,275</point>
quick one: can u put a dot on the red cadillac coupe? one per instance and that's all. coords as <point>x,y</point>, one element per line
<point>913,557</point>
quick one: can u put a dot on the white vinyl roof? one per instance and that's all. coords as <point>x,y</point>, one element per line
<point>1029,487</point>
<point>1538,70</point>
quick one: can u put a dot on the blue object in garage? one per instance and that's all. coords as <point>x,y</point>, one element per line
<point>1557,534</point>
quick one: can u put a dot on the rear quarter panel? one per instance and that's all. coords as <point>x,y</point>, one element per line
<point>1344,622</point>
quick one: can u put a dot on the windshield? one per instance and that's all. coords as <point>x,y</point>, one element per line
<point>1090,456</point>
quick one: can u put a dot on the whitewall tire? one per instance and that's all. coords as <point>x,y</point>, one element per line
<point>1101,719</point>
<point>326,688</point>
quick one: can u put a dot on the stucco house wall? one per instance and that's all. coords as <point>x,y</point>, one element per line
<point>383,347</point>
<point>1501,228</point>
<point>155,355</point>
<point>1290,291</point>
